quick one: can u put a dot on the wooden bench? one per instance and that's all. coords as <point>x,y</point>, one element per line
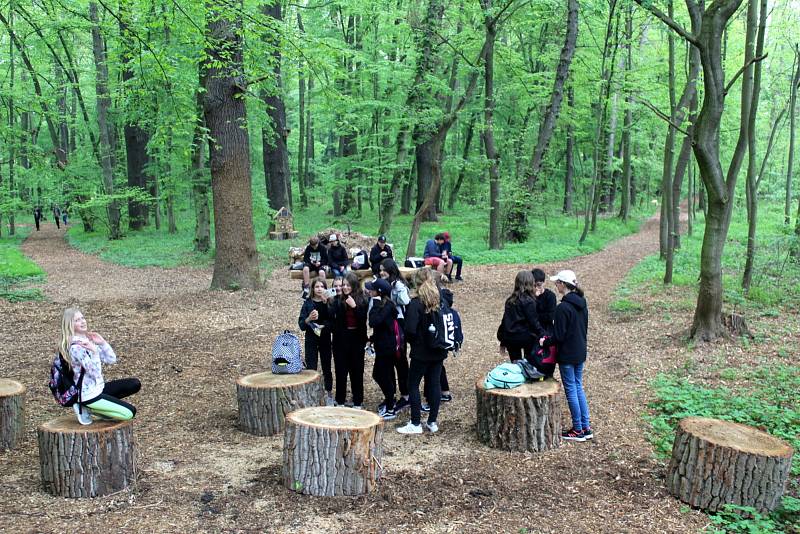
<point>406,272</point>
<point>86,461</point>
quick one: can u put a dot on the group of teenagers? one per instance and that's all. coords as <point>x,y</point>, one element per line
<point>392,321</point>
<point>318,259</point>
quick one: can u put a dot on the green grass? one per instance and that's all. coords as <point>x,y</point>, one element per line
<point>468,226</point>
<point>16,271</point>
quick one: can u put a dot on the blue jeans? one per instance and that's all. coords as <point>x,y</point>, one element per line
<point>572,378</point>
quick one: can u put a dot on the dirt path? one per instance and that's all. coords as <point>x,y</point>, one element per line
<point>197,472</point>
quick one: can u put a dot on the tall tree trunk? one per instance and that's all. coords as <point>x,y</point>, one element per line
<point>669,157</point>
<point>556,96</point>
<point>273,134</point>
<point>103,105</point>
<point>202,228</point>
<point>236,258</point>
<point>488,133</point>
<point>301,116</point>
<point>787,213</point>
<point>12,126</point>
<point>136,137</point>
<point>627,123</point>
<point>462,169</point>
<point>751,181</point>
<point>569,174</point>
<point>310,155</point>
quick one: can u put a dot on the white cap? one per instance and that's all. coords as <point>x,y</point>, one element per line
<point>333,238</point>
<point>566,276</point>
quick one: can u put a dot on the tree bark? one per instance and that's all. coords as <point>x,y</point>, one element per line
<point>273,134</point>
<point>556,96</point>
<point>627,122</point>
<point>202,228</point>
<point>715,463</point>
<point>78,461</point>
<point>236,258</point>
<point>787,212</point>
<point>103,106</point>
<point>462,170</point>
<point>136,137</point>
<point>12,413</point>
<point>265,399</point>
<point>488,133</point>
<point>569,174</point>
<point>332,451</point>
<point>301,127</point>
<point>526,418</point>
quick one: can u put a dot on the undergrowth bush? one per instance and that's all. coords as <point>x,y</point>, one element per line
<point>16,271</point>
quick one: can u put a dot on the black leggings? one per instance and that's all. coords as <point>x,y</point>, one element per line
<point>319,348</point>
<point>519,351</point>
<point>108,403</point>
<point>444,385</point>
<point>348,359</point>
<point>383,374</point>
<point>432,372</point>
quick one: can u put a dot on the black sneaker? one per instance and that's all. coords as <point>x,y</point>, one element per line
<point>383,408</point>
<point>572,435</point>
<point>425,407</point>
<point>588,434</point>
<point>447,397</point>
<point>401,404</point>
<point>459,279</point>
<point>388,415</point>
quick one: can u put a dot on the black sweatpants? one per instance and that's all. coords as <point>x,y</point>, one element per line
<point>432,371</point>
<point>518,351</point>
<point>444,385</point>
<point>348,359</point>
<point>383,374</point>
<point>318,349</point>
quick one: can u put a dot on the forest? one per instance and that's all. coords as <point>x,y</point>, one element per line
<point>171,131</point>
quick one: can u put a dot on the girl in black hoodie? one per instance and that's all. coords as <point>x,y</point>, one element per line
<point>520,330</point>
<point>349,320</point>
<point>314,320</point>
<point>570,324</point>
<point>382,318</point>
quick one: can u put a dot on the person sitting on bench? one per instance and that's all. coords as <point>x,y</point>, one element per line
<point>337,257</point>
<point>315,263</point>
<point>436,258</point>
<point>458,262</point>
<point>379,252</point>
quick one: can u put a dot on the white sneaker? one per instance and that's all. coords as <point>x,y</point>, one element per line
<point>432,427</point>
<point>358,407</point>
<point>410,428</point>
<point>84,417</point>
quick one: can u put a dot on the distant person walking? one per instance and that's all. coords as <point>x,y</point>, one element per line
<point>57,216</point>
<point>64,216</point>
<point>37,216</point>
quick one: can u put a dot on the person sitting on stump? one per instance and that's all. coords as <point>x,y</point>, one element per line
<point>447,246</point>
<point>379,252</point>
<point>86,352</point>
<point>337,257</point>
<point>315,263</point>
<point>436,258</point>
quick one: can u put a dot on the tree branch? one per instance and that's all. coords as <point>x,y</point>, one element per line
<point>740,71</point>
<point>661,115</point>
<point>677,28</point>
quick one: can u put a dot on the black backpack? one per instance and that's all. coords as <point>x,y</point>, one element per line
<point>446,333</point>
<point>62,385</point>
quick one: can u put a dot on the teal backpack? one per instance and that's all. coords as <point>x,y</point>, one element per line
<point>504,376</point>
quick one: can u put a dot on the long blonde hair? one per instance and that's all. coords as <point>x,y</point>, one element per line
<point>67,332</point>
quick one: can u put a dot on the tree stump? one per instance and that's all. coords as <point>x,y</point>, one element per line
<point>715,463</point>
<point>12,413</point>
<point>525,418</point>
<point>332,451</point>
<point>265,399</point>
<point>86,461</point>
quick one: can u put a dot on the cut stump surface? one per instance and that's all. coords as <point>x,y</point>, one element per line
<point>12,413</point>
<point>86,461</point>
<point>525,418</point>
<point>716,462</point>
<point>332,451</point>
<point>265,398</point>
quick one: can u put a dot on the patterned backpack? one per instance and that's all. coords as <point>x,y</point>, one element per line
<point>286,354</point>
<point>62,385</point>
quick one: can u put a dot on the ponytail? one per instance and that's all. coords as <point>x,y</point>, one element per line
<point>574,289</point>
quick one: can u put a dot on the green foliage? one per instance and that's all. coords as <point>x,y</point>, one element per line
<point>16,271</point>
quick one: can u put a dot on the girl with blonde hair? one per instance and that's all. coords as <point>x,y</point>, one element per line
<point>86,352</point>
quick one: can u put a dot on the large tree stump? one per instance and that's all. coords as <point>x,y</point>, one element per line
<point>12,413</point>
<point>332,451</point>
<point>86,461</point>
<point>525,418</point>
<point>265,399</point>
<point>715,463</point>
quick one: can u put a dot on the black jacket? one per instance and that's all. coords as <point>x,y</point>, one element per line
<point>381,319</point>
<point>416,328</point>
<point>323,255</point>
<point>375,257</point>
<point>337,257</point>
<point>546,309</point>
<point>569,328</point>
<point>520,325</point>
<point>323,319</point>
<point>338,311</point>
